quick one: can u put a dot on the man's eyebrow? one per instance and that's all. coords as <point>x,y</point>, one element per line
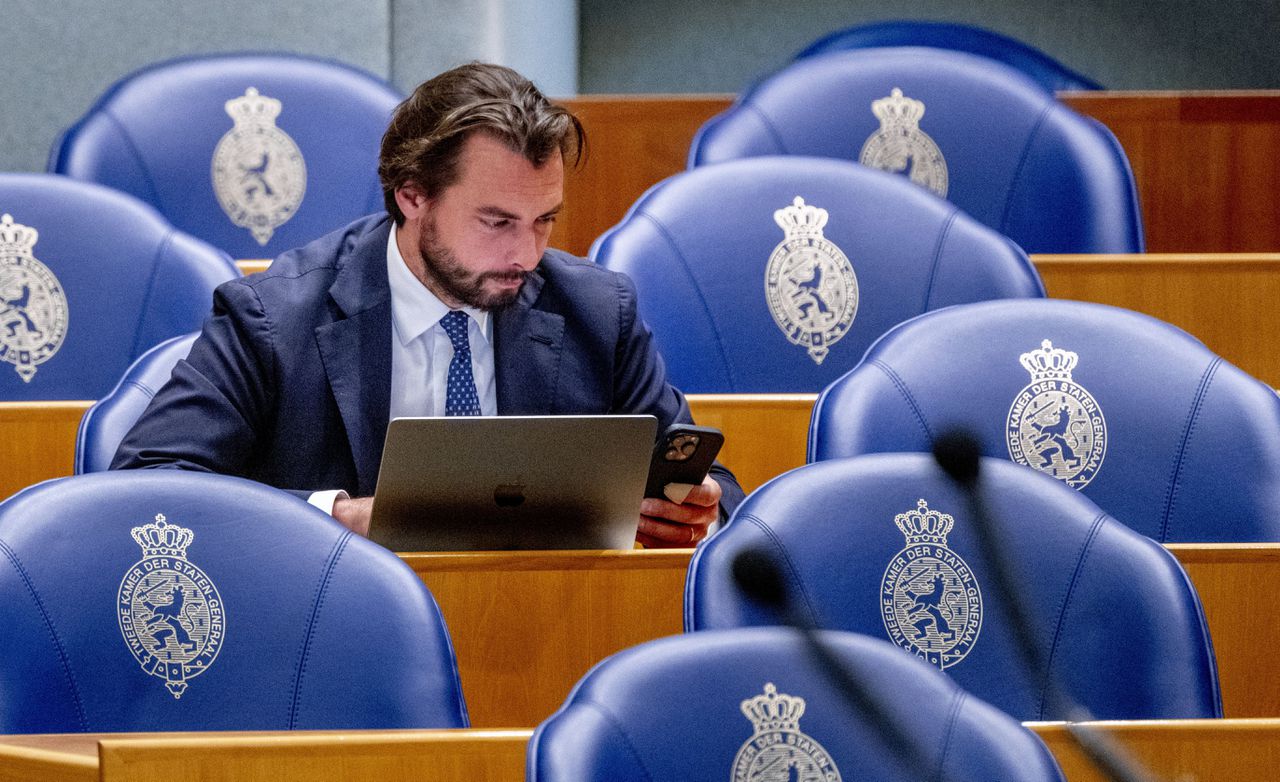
<point>498,212</point>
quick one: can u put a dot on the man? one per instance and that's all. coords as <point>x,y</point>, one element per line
<point>452,304</point>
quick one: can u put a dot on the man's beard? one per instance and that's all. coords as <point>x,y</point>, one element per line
<point>460,284</point>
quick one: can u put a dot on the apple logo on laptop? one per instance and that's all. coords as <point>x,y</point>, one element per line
<point>508,495</point>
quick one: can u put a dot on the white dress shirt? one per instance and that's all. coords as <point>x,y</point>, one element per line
<point>421,352</point>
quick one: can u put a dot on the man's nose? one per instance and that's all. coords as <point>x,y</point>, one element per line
<point>526,250</point>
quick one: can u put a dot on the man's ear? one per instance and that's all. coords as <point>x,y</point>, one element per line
<point>412,200</point>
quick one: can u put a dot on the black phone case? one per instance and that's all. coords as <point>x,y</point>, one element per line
<point>665,467</point>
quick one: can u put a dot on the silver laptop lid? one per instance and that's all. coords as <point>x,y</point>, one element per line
<point>512,482</point>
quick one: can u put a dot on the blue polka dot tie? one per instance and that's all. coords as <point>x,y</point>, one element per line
<point>460,397</point>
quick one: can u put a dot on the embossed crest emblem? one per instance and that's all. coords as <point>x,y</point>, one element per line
<point>809,283</point>
<point>777,750</point>
<point>170,613</point>
<point>901,147</point>
<point>1055,425</point>
<point>259,175</point>
<point>929,600</point>
<point>33,306</point>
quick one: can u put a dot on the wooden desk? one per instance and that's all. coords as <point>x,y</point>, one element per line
<point>444,755</point>
<point>528,625</point>
<point>37,442</point>
<point>1237,586</point>
<point>1179,750</point>
<point>764,434</point>
<point>1203,750</point>
<point>1227,301</point>
<point>1207,164</point>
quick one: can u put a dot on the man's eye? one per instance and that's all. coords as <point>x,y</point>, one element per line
<point>495,224</point>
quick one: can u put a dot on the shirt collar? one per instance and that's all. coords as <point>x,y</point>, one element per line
<point>414,308</point>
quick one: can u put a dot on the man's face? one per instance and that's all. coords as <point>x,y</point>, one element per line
<point>476,240</point>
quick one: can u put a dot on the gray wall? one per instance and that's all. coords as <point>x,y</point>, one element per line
<point>723,45</point>
<point>60,55</point>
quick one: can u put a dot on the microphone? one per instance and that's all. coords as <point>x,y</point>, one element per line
<point>758,576</point>
<point>959,455</point>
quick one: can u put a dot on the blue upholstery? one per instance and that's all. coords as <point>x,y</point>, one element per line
<point>1114,614</point>
<point>108,268</point>
<point>1046,71</point>
<point>155,133</point>
<point>319,627</point>
<point>1191,451</point>
<point>1015,158</point>
<point>684,708</point>
<point>106,423</point>
<point>704,245</point>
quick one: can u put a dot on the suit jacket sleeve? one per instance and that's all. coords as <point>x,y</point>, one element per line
<point>209,415</point>
<point>641,386</point>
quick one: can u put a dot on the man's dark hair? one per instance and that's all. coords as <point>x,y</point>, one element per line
<point>424,140</point>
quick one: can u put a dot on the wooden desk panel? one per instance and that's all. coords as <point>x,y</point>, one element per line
<point>37,442</point>
<point>764,434</point>
<point>1203,750</point>
<point>1178,750</point>
<point>1237,586</point>
<point>1207,164</point>
<point>310,756</point>
<point>528,625</point>
<point>1227,301</point>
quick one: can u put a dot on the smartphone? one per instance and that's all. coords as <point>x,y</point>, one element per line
<point>683,454</point>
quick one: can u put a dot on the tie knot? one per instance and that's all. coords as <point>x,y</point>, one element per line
<point>455,325</point>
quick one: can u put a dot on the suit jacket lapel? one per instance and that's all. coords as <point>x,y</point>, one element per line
<point>356,351</point>
<point>526,354</point>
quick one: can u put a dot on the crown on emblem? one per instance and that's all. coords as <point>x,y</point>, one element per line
<point>800,220</point>
<point>923,525</point>
<point>17,237</point>
<point>898,109</point>
<point>773,710</point>
<point>1049,363</point>
<point>163,539</point>
<point>253,109</point>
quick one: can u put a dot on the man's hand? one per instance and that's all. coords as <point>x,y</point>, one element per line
<point>664,524</point>
<point>354,513</point>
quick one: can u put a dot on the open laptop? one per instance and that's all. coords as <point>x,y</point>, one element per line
<point>512,482</point>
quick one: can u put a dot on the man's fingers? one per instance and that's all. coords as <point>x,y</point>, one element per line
<point>654,533</point>
<point>706,494</point>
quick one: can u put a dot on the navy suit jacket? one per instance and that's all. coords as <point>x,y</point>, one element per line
<point>290,382</point>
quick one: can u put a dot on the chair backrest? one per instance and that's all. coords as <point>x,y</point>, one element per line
<point>1043,69</point>
<point>750,704</point>
<point>968,128</point>
<point>254,153</point>
<point>886,545</point>
<point>161,600</point>
<point>775,274</point>
<point>106,423</point>
<point>1139,416</point>
<point>91,278</point>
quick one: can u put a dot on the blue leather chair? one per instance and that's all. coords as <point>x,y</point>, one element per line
<point>254,153</point>
<point>1139,416</point>
<point>90,278</point>
<point>971,129</point>
<point>774,274</point>
<point>739,704</point>
<point>106,423</point>
<point>160,600</point>
<point>1043,69</point>
<point>885,545</point>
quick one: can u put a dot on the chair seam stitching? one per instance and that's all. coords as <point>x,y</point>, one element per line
<point>157,261</point>
<point>616,724</point>
<point>137,153</point>
<point>53,633</point>
<point>769,127</point>
<point>937,257</point>
<point>901,385</point>
<point>1171,497</point>
<point>706,309</point>
<point>1016,183</point>
<point>790,567</point>
<point>952,718</point>
<point>1065,606</point>
<point>317,604</point>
